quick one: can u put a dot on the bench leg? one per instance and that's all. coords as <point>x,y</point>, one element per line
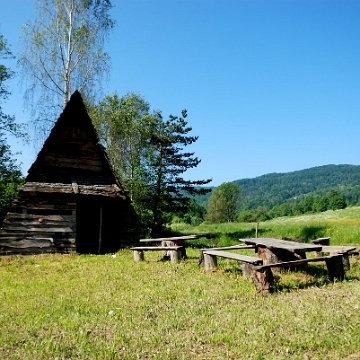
<point>345,260</point>
<point>263,280</point>
<point>210,262</point>
<point>138,255</point>
<point>201,257</point>
<point>247,270</point>
<point>335,267</point>
<point>175,255</point>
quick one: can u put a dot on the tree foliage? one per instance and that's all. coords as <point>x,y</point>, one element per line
<point>168,192</point>
<point>147,153</point>
<point>224,203</point>
<point>125,126</point>
<point>10,175</point>
<point>63,51</point>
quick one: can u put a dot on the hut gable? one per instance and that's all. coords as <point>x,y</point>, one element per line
<point>71,200</point>
<point>72,150</point>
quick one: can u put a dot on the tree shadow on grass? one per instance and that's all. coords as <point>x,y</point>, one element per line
<point>312,232</point>
<point>303,278</point>
<point>292,279</point>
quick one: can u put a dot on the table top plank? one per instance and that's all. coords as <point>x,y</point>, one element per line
<point>338,249</point>
<point>292,246</point>
<point>156,248</point>
<point>175,238</point>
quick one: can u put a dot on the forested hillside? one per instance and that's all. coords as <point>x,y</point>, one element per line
<point>276,188</point>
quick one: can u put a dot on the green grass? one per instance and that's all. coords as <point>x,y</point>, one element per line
<point>342,226</point>
<point>100,307</point>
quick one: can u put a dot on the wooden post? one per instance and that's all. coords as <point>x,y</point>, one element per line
<point>274,256</point>
<point>263,280</point>
<point>138,255</point>
<point>174,255</point>
<point>256,230</point>
<point>346,261</point>
<point>210,262</point>
<point>335,267</point>
<point>248,270</point>
<point>201,257</point>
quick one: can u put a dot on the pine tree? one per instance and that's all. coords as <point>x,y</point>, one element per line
<point>168,192</point>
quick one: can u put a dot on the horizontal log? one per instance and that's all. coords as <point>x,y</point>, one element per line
<point>16,216</point>
<point>38,222</point>
<point>36,250</point>
<point>23,244</point>
<point>42,229</point>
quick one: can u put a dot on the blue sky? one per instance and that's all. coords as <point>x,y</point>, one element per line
<point>269,85</point>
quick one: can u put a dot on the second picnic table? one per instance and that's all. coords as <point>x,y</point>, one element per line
<point>172,241</point>
<point>272,251</point>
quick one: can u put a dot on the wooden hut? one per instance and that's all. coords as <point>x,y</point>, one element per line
<point>71,200</point>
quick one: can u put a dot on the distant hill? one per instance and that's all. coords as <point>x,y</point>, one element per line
<point>276,188</point>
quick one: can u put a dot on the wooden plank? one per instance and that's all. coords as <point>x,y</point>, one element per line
<point>292,246</point>
<point>188,237</point>
<point>155,248</point>
<point>321,241</point>
<point>338,249</point>
<point>293,263</point>
<point>234,247</point>
<point>233,256</point>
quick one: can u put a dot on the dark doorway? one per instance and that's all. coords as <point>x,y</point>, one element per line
<point>97,225</point>
<point>88,224</point>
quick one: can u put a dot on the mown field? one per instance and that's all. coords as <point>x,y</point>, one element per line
<point>105,307</point>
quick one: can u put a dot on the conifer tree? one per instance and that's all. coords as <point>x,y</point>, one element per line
<point>168,192</point>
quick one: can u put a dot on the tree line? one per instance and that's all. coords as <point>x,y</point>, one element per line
<point>224,206</point>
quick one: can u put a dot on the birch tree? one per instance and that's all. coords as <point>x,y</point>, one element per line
<point>63,51</point>
<point>125,125</point>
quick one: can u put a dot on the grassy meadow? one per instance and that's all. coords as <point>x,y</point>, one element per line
<point>105,307</point>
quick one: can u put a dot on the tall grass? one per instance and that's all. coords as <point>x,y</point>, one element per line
<point>342,226</point>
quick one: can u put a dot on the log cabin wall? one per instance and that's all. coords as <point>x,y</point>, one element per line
<point>71,200</point>
<point>39,222</point>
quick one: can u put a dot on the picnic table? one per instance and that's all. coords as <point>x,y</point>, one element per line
<point>173,241</point>
<point>273,251</point>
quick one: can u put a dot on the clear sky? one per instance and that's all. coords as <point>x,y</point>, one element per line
<point>269,85</point>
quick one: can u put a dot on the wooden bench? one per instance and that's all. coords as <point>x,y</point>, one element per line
<point>344,250</point>
<point>233,247</point>
<point>321,241</point>
<point>175,241</point>
<point>263,277</point>
<point>211,261</point>
<point>175,252</point>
